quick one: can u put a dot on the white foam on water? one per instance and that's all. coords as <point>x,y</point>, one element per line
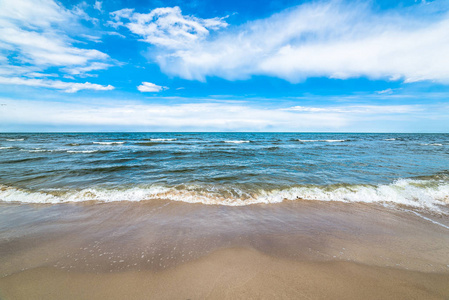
<point>389,139</point>
<point>1,148</point>
<point>108,143</point>
<point>82,151</point>
<point>36,150</point>
<point>431,195</point>
<point>237,142</point>
<point>328,141</point>
<point>15,140</point>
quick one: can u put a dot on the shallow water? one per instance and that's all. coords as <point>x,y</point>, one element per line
<point>410,170</point>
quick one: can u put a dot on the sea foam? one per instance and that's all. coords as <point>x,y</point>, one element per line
<point>429,194</point>
<point>108,143</point>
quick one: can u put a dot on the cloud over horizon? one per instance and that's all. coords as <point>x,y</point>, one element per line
<point>209,116</point>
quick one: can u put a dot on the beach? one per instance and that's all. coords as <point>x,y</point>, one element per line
<point>224,216</point>
<point>164,249</point>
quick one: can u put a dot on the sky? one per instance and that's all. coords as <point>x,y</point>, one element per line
<point>209,65</point>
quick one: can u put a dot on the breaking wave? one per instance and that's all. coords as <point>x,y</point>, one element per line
<point>430,194</point>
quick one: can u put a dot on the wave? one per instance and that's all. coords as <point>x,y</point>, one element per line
<point>433,144</point>
<point>427,194</point>
<point>108,143</point>
<point>2,148</point>
<point>329,141</point>
<point>237,142</point>
<point>82,151</point>
<point>15,140</point>
<point>390,139</point>
<point>36,150</point>
<point>162,140</point>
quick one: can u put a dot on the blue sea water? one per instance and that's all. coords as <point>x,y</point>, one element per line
<point>226,168</point>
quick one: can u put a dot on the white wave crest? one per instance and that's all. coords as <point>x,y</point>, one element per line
<point>389,139</point>
<point>432,195</point>
<point>328,141</point>
<point>237,142</point>
<point>82,151</point>
<point>1,148</point>
<point>15,140</point>
<point>108,143</point>
<point>305,141</point>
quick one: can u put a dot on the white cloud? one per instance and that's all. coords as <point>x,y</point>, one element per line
<point>330,39</point>
<point>38,35</point>
<point>167,27</point>
<point>150,87</point>
<point>359,109</point>
<point>184,117</point>
<point>385,92</point>
<point>98,5</point>
<point>69,87</point>
<point>207,116</point>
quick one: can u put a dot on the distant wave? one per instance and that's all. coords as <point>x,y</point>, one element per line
<point>108,143</point>
<point>82,151</point>
<point>237,142</point>
<point>73,144</point>
<point>433,144</point>
<point>36,150</point>
<point>162,140</point>
<point>329,141</point>
<point>1,148</point>
<point>430,194</point>
<point>15,140</point>
<point>390,139</point>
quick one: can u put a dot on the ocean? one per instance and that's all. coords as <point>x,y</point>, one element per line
<point>399,170</point>
<point>224,215</point>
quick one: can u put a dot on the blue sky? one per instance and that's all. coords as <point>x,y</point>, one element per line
<point>338,66</point>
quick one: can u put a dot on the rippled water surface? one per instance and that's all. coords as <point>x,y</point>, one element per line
<point>226,168</point>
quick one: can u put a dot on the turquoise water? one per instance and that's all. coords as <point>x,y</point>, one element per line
<point>226,168</point>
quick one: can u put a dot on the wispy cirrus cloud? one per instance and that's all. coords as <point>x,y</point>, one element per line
<point>38,35</point>
<point>219,116</point>
<point>359,109</point>
<point>69,87</point>
<point>167,26</point>
<point>334,39</point>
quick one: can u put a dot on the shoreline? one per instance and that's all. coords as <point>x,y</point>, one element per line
<point>301,249</point>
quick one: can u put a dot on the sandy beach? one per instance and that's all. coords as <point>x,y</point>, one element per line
<point>166,250</point>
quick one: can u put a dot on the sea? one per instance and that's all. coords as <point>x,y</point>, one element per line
<point>398,170</point>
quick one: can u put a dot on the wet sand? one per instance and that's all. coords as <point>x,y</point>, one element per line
<point>165,250</point>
